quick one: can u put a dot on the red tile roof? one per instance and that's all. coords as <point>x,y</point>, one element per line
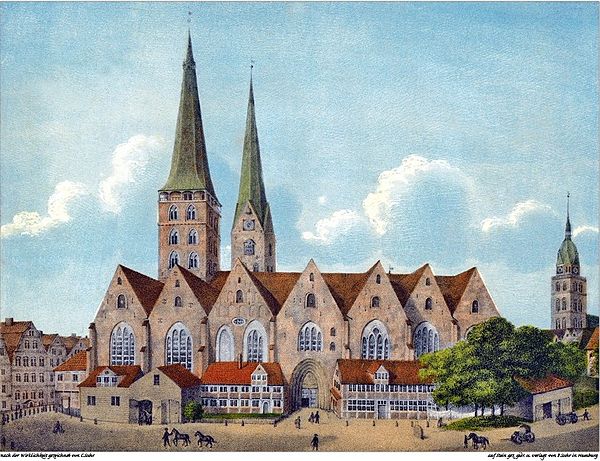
<point>454,286</point>
<point>279,284</point>
<point>11,334</point>
<point>146,288</point>
<point>205,293</point>
<point>180,375</point>
<point>130,374</point>
<point>547,384</point>
<point>593,342</point>
<point>76,363</point>
<point>358,371</point>
<point>404,284</point>
<point>345,287</point>
<point>48,339</point>
<point>230,373</point>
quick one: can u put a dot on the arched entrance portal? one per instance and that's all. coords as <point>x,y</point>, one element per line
<point>309,386</point>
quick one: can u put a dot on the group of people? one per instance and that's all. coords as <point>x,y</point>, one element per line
<point>314,417</point>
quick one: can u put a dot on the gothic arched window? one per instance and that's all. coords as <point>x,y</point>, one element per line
<point>564,286</point>
<point>332,331</point>
<point>426,339</point>
<point>558,324</point>
<point>122,345</point>
<point>564,304</point>
<point>249,247</point>
<point>255,342</point>
<point>375,301</point>
<point>193,237</point>
<point>173,259</point>
<point>378,279</point>
<point>557,303</point>
<point>332,347</point>
<point>428,304</point>
<point>310,300</point>
<point>475,307</point>
<point>193,261</point>
<point>178,345</point>
<point>310,338</point>
<point>375,341</point>
<point>557,286</point>
<point>564,323</point>
<point>173,213</point>
<point>225,345</point>
<point>428,281</point>
<point>121,302</point>
<point>191,212</point>
<point>174,237</point>
<point>311,277</point>
<point>178,302</point>
<point>239,296</point>
<point>187,195</point>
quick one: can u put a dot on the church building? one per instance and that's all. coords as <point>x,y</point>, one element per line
<point>297,325</point>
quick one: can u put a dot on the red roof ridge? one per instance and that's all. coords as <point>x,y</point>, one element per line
<point>180,375</point>
<point>540,385</point>
<point>76,363</point>
<point>231,373</point>
<point>204,292</point>
<point>147,289</point>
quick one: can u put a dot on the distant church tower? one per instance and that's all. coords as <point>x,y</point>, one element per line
<point>569,299</point>
<point>188,209</point>
<point>252,234</point>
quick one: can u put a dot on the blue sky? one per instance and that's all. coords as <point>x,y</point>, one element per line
<point>406,132</point>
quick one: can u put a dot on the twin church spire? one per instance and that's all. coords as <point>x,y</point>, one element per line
<point>189,212</point>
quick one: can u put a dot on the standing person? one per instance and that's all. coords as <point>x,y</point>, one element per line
<point>298,422</point>
<point>586,415</point>
<point>314,443</point>
<point>165,437</point>
<point>311,418</point>
<point>317,417</point>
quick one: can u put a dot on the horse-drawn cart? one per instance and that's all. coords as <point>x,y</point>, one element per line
<point>524,434</point>
<point>566,418</point>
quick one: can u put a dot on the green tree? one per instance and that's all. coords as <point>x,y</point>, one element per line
<point>193,411</point>
<point>567,360</point>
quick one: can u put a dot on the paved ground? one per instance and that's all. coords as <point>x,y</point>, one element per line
<point>35,434</point>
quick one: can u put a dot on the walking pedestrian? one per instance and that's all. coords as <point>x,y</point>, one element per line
<point>586,415</point>
<point>317,417</point>
<point>165,437</point>
<point>311,418</point>
<point>314,443</point>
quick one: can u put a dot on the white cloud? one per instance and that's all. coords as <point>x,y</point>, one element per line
<point>322,200</point>
<point>328,229</point>
<point>32,223</point>
<point>515,216</point>
<point>581,229</point>
<point>129,161</point>
<point>392,186</point>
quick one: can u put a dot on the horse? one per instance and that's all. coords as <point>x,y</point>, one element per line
<point>185,438</point>
<point>204,438</point>
<point>478,440</point>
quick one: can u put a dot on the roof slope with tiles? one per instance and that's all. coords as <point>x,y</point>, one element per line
<point>76,363</point>
<point>180,375</point>
<point>404,284</point>
<point>358,371</point>
<point>130,374</point>
<point>12,333</point>
<point>145,288</point>
<point>205,292</point>
<point>592,344</point>
<point>453,287</point>
<point>231,373</point>
<point>547,384</point>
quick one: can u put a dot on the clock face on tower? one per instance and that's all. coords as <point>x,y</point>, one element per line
<point>248,224</point>
<point>559,270</point>
<point>575,270</point>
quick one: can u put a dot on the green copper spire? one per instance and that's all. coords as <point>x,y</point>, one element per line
<point>567,254</point>
<point>189,164</point>
<point>252,187</point>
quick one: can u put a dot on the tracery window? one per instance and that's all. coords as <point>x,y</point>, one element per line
<point>249,247</point>
<point>193,261</point>
<point>191,212</point>
<point>225,345</point>
<point>255,341</point>
<point>122,345</point>
<point>179,346</point>
<point>375,341</point>
<point>310,338</point>
<point>173,213</point>
<point>426,339</point>
<point>174,237</point>
<point>173,259</point>
<point>193,237</point>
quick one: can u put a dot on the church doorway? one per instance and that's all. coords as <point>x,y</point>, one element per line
<point>309,386</point>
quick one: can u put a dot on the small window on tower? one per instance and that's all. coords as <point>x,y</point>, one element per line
<point>564,286</point>
<point>557,286</point>
<point>191,212</point>
<point>177,283</point>
<point>249,247</point>
<point>187,196</point>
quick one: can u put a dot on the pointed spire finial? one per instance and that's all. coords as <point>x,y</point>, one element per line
<point>568,225</point>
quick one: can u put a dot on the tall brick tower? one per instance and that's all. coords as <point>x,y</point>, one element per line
<point>189,212</point>
<point>569,290</point>
<point>252,234</point>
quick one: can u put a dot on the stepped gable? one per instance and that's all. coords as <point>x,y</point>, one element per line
<point>454,286</point>
<point>404,284</point>
<point>146,288</point>
<point>359,371</point>
<point>76,363</point>
<point>180,375</point>
<point>232,373</point>
<point>345,287</point>
<point>204,292</point>
<point>279,284</point>
<point>12,333</point>
<point>130,374</point>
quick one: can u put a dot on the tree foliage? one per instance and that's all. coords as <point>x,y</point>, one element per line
<point>193,411</point>
<point>480,370</point>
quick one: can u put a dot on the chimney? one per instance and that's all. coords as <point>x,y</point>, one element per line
<point>240,361</point>
<point>8,321</point>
